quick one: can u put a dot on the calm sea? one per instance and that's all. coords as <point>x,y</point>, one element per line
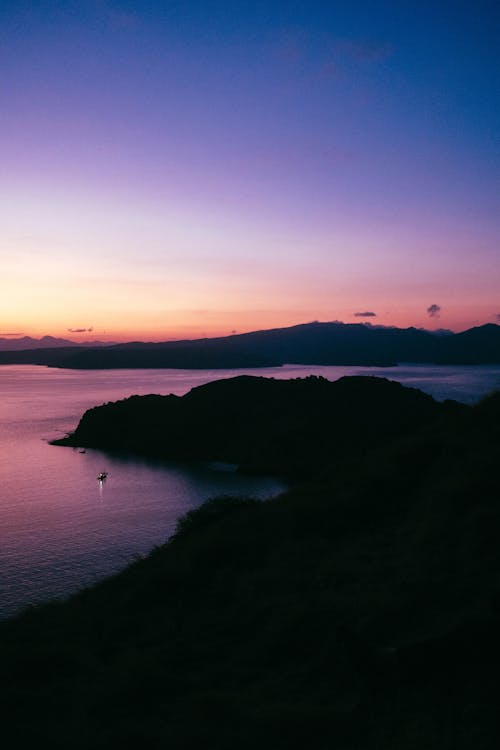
<point>60,529</point>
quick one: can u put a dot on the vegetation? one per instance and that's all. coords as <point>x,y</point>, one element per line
<point>293,427</point>
<point>360,609</point>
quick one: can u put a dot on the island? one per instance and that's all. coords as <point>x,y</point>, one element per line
<point>291,427</point>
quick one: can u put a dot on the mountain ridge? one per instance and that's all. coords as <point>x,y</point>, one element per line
<point>329,343</point>
<point>24,343</point>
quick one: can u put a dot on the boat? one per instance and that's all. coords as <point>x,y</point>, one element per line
<point>102,476</point>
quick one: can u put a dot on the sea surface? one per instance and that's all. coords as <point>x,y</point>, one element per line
<point>61,529</point>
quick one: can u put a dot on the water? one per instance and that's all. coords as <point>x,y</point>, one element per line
<point>60,529</point>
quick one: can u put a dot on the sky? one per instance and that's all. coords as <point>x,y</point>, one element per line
<point>187,169</point>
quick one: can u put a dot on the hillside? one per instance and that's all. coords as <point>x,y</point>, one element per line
<point>310,344</point>
<point>358,610</point>
<point>261,423</point>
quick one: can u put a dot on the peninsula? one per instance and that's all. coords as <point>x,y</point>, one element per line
<point>291,427</point>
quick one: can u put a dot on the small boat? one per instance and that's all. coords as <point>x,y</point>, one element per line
<point>82,450</point>
<point>102,476</point>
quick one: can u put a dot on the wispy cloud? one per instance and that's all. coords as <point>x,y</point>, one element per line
<point>365,50</point>
<point>433,311</point>
<point>80,330</point>
<point>367,314</point>
<point>327,55</point>
<point>5,335</point>
<point>118,19</point>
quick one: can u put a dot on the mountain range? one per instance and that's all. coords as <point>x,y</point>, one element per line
<point>46,342</point>
<point>310,343</point>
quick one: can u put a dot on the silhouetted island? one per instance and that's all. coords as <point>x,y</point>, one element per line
<point>309,344</point>
<point>358,610</point>
<point>262,424</point>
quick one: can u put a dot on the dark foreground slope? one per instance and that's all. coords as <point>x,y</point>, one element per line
<point>359,610</point>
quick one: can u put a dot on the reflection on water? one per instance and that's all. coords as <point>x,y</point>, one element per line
<point>61,529</point>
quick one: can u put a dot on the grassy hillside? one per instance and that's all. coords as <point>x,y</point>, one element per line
<point>358,610</point>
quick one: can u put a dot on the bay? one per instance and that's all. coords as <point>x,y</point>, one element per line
<point>61,529</point>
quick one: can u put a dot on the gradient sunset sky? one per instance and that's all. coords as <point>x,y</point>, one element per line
<point>180,169</point>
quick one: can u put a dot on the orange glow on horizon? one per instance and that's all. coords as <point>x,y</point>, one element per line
<point>210,324</point>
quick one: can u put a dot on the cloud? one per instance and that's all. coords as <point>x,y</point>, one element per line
<point>325,55</point>
<point>12,334</point>
<point>122,19</point>
<point>291,46</point>
<point>365,50</point>
<point>433,311</point>
<point>80,330</point>
<point>117,19</point>
<point>367,314</point>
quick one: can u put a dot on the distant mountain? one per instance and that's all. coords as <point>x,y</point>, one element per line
<point>26,342</point>
<point>476,346</point>
<point>310,344</point>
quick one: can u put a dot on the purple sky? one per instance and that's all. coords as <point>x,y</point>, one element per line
<point>195,168</point>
